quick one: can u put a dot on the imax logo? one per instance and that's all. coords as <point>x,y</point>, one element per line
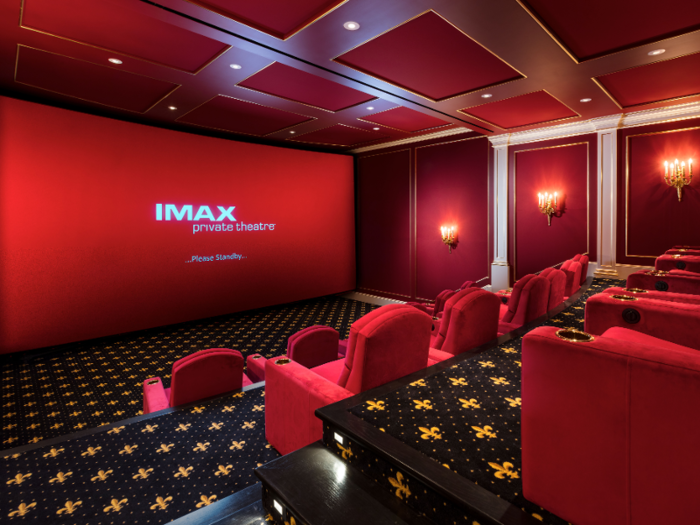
<point>185,213</point>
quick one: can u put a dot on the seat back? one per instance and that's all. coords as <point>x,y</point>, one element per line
<point>470,319</point>
<point>468,284</point>
<point>572,269</point>
<point>384,345</point>
<point>205,374</point>
<point>583,261</point>
<point>528,301</point>
<point>557,284</point>
<point>440,300</point>
<point>313,346</point>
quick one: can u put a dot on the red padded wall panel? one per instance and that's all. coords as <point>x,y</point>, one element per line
<point>83,254</point>
<point>451,189</point>
<point>383,222</point>
<point>650,219</point>
<point>568,167</point>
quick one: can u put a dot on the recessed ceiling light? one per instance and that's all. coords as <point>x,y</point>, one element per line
<point>586,99</point>
<point>375,129</point>
<point>236,66</point>
<point>292,132</point>
<point>656,52</point>
<point>115,61</point>
<point>172,108</point>
<point>351,26</point>
<point>486,95</point>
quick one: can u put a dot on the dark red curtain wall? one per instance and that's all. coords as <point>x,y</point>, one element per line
<point>83,254</point>
<point>568,167</point>
<point>650,219</point>
<point>404,196</point>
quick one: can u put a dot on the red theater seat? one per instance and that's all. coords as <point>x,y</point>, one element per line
<point>572,269</point>
<point>557,286</point>
<point>528,301</point>
<point>681,246</point>
<point>470,319</point>
<point>310,347</point>
<point>583,261</point>
<point>683,251</point>
<point>654,294</point>
<point>671,321</point>
<point>198,376</point>
<point>688,263</point>
<point>437,307</point>
<point>609,428</point>
<point>386,344</point>
<point>675,281</point>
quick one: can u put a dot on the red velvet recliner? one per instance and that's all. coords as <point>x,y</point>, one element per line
<point>688,263</point>
<point>654,294</point>
<point>386,344</point>
<point>310,347</point>
<point>671,321</point>
<point>680,246</point>
<point>198,376</point>
<point>437,307</point>
<point>573,270</point>
<point>470,319</point>
<point>675,281</point>
<point>682,251</point>
<point>557,286</point>
<point>528,301</point>
<point>609,428</point>
<point>583,261</point>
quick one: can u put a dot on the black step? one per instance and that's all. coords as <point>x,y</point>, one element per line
<point>242,508</point>
<point>315,487</point>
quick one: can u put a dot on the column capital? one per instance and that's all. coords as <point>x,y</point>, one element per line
<point>500,141</point>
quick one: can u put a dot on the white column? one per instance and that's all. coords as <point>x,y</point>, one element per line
<point>606,128</point>
<point>500,270</point>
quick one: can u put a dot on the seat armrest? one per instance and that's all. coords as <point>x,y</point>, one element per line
<point>256,368</point>
<point>438,355</point>
<point>292,395</point>
<point>154,396</point>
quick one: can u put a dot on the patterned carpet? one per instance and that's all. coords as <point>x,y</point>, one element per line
<point>468,417</point>
<point>148,472</point>
<point>93,383</point>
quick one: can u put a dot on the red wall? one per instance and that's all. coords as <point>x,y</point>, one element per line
<point>650,219</point>
<point>567,166</point>
<point>383,226</point>
<point>82,254</point>
<point>404,195</point>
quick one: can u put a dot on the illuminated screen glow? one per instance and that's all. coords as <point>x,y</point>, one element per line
<point>108,227</point>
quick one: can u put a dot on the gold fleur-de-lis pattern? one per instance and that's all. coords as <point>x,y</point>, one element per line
<point>466,417</point>
<point>150,471</point>
<point>93,383</point>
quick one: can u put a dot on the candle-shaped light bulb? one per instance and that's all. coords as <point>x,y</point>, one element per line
<point>666,167</point>
<point>555,199</point>
<point>539,200</point>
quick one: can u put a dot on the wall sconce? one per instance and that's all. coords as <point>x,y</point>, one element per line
<point>544,203</point>
<point>676,176</point>
<point>449,236</point>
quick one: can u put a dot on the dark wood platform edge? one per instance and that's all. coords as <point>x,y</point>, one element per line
<point>454,488</point>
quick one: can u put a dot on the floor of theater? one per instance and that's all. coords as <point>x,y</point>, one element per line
<point>158,467</point>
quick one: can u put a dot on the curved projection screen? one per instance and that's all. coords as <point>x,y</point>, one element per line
<point>108,227</point>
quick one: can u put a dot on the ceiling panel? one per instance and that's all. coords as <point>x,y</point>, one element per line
<point>239,116</point>
<point>114,26</point>
<point>533,108</point>
<point>591,28</point>
<point>405,119</point>
<point>279,18</point>
<point>663,81</point>
<point>89,82</point>
<point>339,135</point>
<point>293,84</point>
<point>430,57</point>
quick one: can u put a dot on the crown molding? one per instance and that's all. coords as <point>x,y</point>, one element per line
<point>656,116</point>
<point>409,140</point>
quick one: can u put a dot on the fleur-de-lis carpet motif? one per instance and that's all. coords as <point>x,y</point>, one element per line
<point>92,383</point>
<point>473,426</point>
<point>140,476</point>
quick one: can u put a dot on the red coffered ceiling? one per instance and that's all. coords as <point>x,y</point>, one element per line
<point>302,79</point>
